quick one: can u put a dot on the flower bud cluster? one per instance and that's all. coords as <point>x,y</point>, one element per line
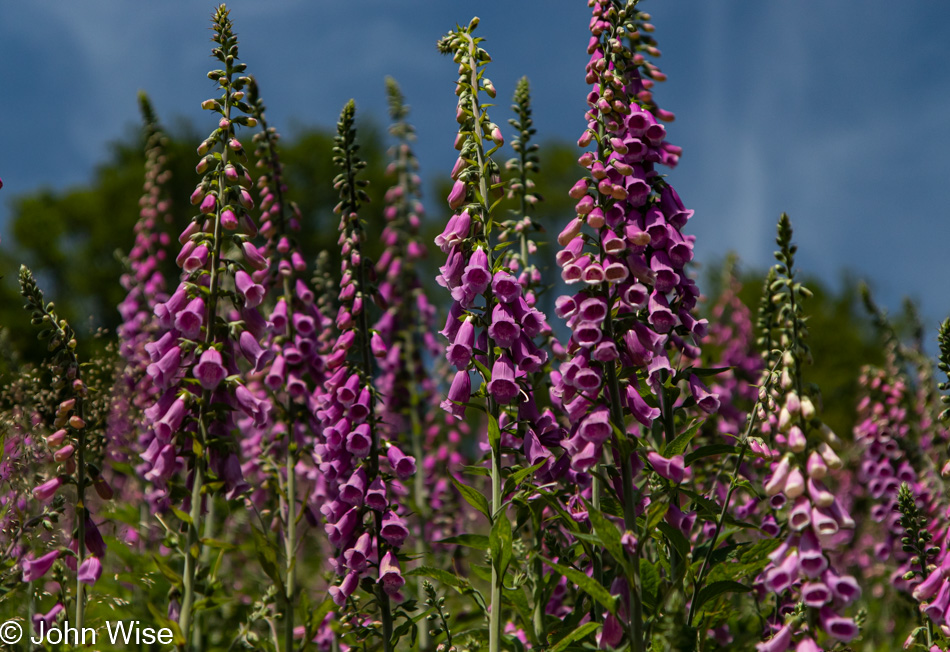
<point>816,518</point>
<point>145,285</point>
<point>69,445</point>
<point>624,252</point>
<point>489,311</point>
<point>287,366</point>
<point>194,361</point>
<point>363,522</point>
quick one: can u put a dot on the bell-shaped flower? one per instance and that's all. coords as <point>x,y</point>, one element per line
<point>502,386</point>
<point>210,369</point>
<point>390,576</point>
<point>34,569</point>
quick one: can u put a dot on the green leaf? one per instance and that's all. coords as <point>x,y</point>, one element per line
<point>708,451</point>
<point>718,588</point>
<point>581,632</point>
<point>679,445</point>
<point>184,517</point>
<point>494,432</point>
<point>655,514</point>
<point>473,498</point>
<point>500,543</point>
<point>649,583</point>
<point>675,537</point>
<point>516,478</point>
<point>475,470</point>
<point>586,584</point>
<point>608,534</point>
<point>267,557</point>
<point>477,541</point>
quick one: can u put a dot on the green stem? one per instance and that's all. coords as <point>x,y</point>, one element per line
<point>630,495</point>
<point>191,552</point>
<point>494,626</point>
<point>80,517</point>
<point>367,366</point>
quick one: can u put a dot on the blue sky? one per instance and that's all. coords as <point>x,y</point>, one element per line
<point>836,112</point>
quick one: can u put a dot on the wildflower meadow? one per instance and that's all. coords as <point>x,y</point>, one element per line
<point>468,426</point>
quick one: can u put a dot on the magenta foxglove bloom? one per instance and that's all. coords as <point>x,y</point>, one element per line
<point>34,569</point>
<point>390,576</point>
<point>90,570</point>
<point>210,371</point>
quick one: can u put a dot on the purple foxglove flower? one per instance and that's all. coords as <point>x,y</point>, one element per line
<point>210,370</point>
<point>611,634</point>
<point>390,576</point>
<point>197,259</point>
<point>707,401</point>
<point>596,426</point>
<point>453,272</point>
<point>845,588</point>
<point>349,392</point>
<point>585,457</point>
<point>346,588</point>
<point>190,320</point>
<point>172,419</point>
<point>303,324</point>
<point>459,353</point>
<point>588,334</point>
<point>252,292</point>
<point>45,622</point>
<point>929,587</point>
<point>477,276</point>
<point>779,578</point>
<point>593,309</point>
<point>823,522</point>
<point>815,594</point>
<point>253,256</point>
<point>90,571</point>
<point>359,442</point>
<point>159,348</point>
<point>34,569</point>
<point>456,230</point>
<point>505,287</point>
<point>253,353</point>
<point>359,410</point>
<point>233,477</point>
<point>639,408</point>
<point>836,626</point>
<point>776,483</point>
<point>660,317</point>
<point>402,465</point>
<point>807,644</point>
<point>339,532</point>
<point>394,530</point>
<point>800,516</point>
<point>672,469</point>
<point>355,488</point>
<point>503,329</point>
<point>502,386</point>
<point>251,405</point>
<point>94,543</point>
<point>164,370</point>
<point>812,560</point>
<point>356,558</point>
<point>45,492</point>
<point>376,495</point>
<point>778,643</point>
<point>460,392</point>
<point>457,196</point>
